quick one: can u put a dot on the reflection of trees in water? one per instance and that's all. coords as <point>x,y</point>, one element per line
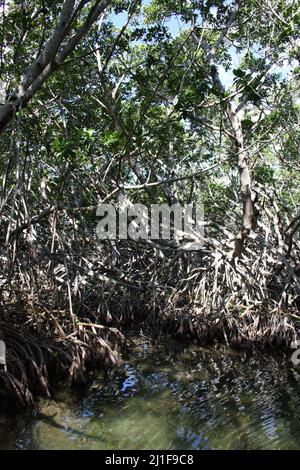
<point>241,401</point>
<point>22,431</point>
<point>15,431</point>
<point>191,399</point>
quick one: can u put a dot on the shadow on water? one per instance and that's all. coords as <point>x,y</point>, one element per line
<point>191,399</point>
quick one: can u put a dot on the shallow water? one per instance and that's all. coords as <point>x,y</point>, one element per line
<point>193,399</point>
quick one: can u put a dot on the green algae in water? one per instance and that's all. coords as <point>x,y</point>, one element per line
<point>195,399</point>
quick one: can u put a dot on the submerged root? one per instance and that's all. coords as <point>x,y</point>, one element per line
<point>69,304</point>
<point>250,332</point>
<point>221,301</point>
<point>33,362</point>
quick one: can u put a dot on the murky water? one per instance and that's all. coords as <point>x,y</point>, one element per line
<point>193,399</point>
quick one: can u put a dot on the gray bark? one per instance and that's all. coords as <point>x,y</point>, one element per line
<point>249,211</point>
<point>52,56</point>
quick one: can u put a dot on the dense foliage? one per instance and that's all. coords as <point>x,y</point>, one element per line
<point>165,101</point>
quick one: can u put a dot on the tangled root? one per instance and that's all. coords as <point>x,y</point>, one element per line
<point>33,363</point>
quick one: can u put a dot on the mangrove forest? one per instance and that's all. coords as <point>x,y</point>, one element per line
<point>150,224</point>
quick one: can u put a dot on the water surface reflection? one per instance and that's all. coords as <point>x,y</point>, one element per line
<point>194,399</point>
